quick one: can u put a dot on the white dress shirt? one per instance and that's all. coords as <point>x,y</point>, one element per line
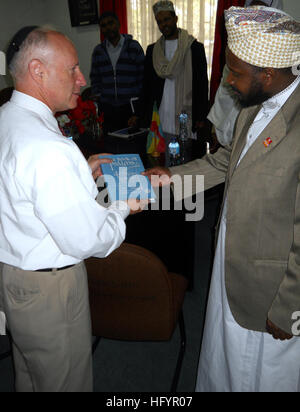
<point>49,217</point>
<point>115,51</point>
<point>268,111</point>
<point>48,213</point>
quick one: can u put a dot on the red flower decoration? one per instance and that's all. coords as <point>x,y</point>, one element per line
<point>83,118</point>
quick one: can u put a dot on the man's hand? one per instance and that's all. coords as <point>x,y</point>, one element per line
<point>276,332</point>
<point>159,176</point>
<point>95,164</point>
<point>137,206</point>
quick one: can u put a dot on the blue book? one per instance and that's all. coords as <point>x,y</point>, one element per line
<point>124,180</point>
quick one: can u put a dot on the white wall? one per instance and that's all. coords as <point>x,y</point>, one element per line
<point>15,14</point>
<point>85,38</point>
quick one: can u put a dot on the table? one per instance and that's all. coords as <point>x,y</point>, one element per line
<point>133,145</point>
<point>166,232</point>
<point>172,238</point>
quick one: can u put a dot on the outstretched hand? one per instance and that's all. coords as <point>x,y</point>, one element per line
<point>95,164</point>
<point>159,176</point>
<point>137,206</point>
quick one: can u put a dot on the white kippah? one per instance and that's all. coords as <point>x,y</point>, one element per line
<point>263,37</point>
<point>163,5</point>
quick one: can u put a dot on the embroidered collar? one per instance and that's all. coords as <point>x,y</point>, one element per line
<point>279,99</point>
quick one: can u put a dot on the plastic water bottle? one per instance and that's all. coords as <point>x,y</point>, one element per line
<point>184,130</point>
<point>174,151</point>
<point>183,126</point>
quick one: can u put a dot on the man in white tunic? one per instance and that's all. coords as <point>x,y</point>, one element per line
<point>175,76</point>
<point>49,219</point>
<point>251,340</point>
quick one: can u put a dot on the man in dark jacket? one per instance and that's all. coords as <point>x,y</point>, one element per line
<point>175,75</point>
<point>117,74</point>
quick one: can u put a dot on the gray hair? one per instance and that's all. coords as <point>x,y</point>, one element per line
<point>34,46</point>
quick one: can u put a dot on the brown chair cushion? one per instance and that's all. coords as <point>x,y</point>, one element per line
<point>133,296</point>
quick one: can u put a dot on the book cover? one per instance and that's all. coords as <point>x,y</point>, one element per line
<point>124,180</point>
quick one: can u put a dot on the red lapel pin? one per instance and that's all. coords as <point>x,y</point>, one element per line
<point>268,141</point>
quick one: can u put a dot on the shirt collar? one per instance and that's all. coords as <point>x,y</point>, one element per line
<point>118,46</point>
<point>30,103</point>
<point>279,99</point>
<point>34,105</point>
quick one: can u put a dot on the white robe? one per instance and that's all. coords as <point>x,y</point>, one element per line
<point>234,359</point>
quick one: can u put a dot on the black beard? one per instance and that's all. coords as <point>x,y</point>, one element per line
<point>255,97</point>
<point>173,30</point>
<point>252,100</point>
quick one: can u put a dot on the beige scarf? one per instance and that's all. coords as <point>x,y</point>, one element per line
<point>179,68</point>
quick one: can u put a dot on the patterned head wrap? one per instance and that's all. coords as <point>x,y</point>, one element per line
<point>263,37</point>
<point>163,6</point>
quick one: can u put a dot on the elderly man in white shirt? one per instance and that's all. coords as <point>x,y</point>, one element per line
<point>49,218</point>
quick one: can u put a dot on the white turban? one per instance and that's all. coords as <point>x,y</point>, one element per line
<point>263,37</point>
<point>163,6</point>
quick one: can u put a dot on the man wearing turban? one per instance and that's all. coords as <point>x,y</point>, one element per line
<point>175,75</point>
<point>226,107</point>
<point>251,338</point>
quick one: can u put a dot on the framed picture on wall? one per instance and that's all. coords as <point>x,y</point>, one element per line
<point>83,12</point>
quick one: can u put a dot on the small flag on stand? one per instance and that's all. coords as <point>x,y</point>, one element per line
<point>156,143</point>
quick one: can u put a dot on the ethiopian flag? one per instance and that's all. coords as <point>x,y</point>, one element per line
<point>156,141</point>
